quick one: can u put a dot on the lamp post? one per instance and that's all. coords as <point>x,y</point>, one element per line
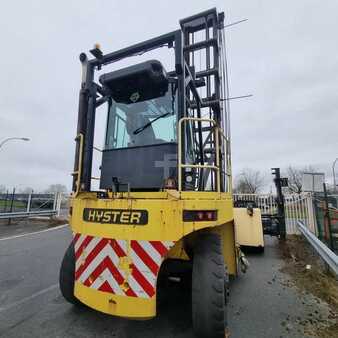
<point>13,138</point>
<point>334,175</point>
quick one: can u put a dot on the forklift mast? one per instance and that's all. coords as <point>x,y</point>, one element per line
<point>202,149</point>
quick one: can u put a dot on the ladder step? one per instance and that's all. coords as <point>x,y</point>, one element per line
<point>200,45</point>
<point>204,129</point>
<point>209,151</point>
<point>205,103</point>
<point>207,72</point>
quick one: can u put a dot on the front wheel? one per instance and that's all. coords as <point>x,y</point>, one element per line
<point>67,275</point>
<point>209,313</point>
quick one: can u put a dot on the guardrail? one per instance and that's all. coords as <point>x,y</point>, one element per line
<point>23,214</point>
<point>330,258</point>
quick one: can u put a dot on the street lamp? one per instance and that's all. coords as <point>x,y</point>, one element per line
<point>13,138</point>
<point>334,175</point>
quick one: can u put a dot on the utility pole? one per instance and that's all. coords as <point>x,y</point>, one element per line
<point>280,182</point>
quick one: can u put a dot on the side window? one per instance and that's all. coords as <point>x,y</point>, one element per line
<point>117,136</point>
<point>121,137</point>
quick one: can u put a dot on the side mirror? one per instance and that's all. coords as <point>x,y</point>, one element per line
<point>137,83</point>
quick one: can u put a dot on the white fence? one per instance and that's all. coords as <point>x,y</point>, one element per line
<point>298,207</point>
<point>266,202</point>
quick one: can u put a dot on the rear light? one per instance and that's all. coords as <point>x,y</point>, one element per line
<point>199,215</point>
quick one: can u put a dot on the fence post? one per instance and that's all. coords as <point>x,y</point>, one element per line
<point>11,207</point>
<point>58,204</point>
<point>310,214</point>
<point>328,218</point>
<point>314,214</point>
<point>298,209</point>
<point>294,213</point>
<point>29,202</point>
<point>55,200</point>
<point>287,214</point>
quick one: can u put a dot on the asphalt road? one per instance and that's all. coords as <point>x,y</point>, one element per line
<point>261,304</point>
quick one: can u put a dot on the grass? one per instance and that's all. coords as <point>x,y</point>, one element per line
<point>317,280</point>
<point>16,204</point>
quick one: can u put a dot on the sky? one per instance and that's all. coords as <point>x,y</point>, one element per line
<point>285,55</point>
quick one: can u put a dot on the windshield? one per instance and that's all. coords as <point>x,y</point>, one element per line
<point>142,123</point>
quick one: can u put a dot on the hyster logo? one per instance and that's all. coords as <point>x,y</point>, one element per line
<point>115,216</point>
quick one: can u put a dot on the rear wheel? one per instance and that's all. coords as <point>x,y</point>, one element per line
<point>208,288</point>
<point>67,275</point>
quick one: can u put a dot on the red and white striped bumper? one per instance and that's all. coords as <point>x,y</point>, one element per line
<point>120,267</point>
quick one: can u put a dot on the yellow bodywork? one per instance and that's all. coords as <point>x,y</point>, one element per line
<point>165,223</point>
<point>249,229</point>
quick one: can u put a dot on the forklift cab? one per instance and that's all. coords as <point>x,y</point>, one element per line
<point>141,135</point>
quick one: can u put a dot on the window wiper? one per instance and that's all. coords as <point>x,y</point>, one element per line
<point>139,130</point>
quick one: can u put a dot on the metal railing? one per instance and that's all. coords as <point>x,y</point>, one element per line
<point>23,214</point>
<point>200,166</point>
<point>30,205</point>
<point>215,167</point>
<point>266,202</point>
<point>299,207</point>
<point>330,258</point>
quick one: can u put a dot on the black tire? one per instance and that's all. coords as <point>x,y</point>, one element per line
<point>67,276</point>
<point>209,315</point>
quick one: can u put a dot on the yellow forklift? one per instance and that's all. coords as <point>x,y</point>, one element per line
<point>165,185</point>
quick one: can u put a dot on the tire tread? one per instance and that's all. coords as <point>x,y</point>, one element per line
<point>208,292</point>
<point>67,275</point>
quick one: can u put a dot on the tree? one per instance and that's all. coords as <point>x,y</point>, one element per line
<point>54,188</point>
<point>2,189</point>
<point>249,181</point>
<point>295,177</point>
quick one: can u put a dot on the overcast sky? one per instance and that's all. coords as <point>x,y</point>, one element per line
<point>286,55</point>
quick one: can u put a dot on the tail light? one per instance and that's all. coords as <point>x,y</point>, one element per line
<point>199,215</point>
